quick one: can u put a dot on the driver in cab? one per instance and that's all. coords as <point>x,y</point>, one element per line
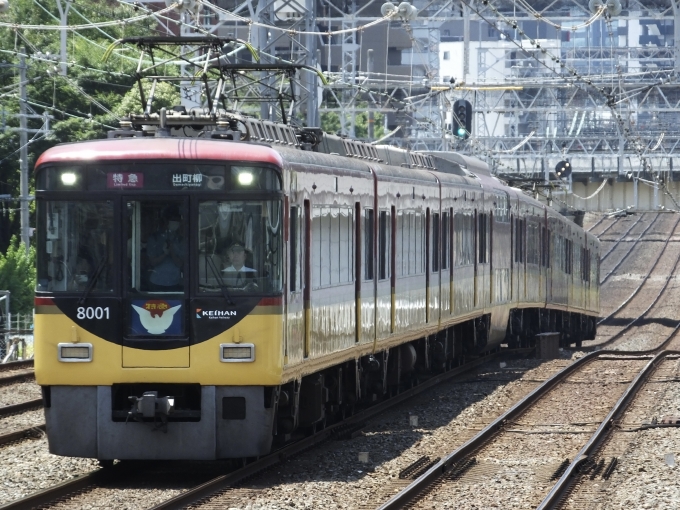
<point>237,273</point>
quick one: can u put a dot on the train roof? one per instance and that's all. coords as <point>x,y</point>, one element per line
<point>148,148</point>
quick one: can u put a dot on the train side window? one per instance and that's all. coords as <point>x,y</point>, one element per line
<point>520,240</point>
<point>464,239</point>
<point>401,257</point>
<point>368,244</point>
<point>445,241</point>
<point>435,243</point>
<point>482,233</point>
<point>333,246</point>
<point>294,273</point>
<point>385,243</point>
<point>533,243</point>
<point>420,243</point>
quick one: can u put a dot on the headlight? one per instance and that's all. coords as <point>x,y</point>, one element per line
<point>68,178</point>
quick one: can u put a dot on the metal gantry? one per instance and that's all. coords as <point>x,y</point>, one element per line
<point>548,80</point>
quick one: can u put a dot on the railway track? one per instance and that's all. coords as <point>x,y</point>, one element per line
<point>620,238</point>
<point>16,365</point>
<point>629,250</point>
<point>645,278</point>
<point>641,316</point>
<point>230,476</point>
<point>454,465</point>
<point>505,438</point>
<point>595,479</point>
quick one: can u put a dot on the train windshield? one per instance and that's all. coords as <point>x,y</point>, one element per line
<point>75,246</point>
<point>237,247</point>
<point>240,246</point>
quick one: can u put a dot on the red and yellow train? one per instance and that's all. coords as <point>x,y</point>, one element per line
<point>202,297</point>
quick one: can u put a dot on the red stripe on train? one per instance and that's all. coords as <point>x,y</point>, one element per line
<point>43,301</point>
<point>271,301</point>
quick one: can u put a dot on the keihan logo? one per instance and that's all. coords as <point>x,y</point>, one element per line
<point>215,314</point>
<point>156,316</point>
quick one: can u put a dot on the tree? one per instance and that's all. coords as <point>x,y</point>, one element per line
<point>17,275</point>
<point>330,123</point>
<point>80,104</point>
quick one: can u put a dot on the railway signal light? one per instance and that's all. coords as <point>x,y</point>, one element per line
<point>462,119</point>
<point>563,169</point>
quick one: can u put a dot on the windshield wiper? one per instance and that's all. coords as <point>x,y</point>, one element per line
<point>90,284</point>
<point>216,273</point>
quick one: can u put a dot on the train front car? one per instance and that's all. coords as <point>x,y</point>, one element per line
<point>159,301</point>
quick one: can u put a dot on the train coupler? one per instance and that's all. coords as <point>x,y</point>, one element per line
<point>150,406</point>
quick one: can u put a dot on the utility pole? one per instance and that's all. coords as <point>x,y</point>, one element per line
<point>23,154</point>
<point>63,19</point>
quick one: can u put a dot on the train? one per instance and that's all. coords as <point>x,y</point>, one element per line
<point>212,286</point>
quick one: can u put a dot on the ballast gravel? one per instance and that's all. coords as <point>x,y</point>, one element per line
<point>19,392</point>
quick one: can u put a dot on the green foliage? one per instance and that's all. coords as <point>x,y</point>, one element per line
<point>17,275</point>
<point>68,100</point>
<point>165,96</point>
<point>330,123</point>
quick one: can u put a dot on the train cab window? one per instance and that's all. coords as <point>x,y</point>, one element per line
<point>385,245</point>
<point>75,246</point>
<point>156,246</point>
<point>241,245</point>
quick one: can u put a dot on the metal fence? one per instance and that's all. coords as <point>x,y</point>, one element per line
<point>16,337</point>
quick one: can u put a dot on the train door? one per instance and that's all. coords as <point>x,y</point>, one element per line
<point>294,348</point>
<point>482,258</point>
<point>383,299</point>
<point>366,272</point>
<point>155,277</point>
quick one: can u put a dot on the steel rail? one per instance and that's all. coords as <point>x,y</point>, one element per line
<point>23,406</point>
<point>616,243</point>
<point>618,264</point>
<point>222,482</point>
<point>639,287</point>
<point>48,495</point>
<point>628,326</point>
<point>559,490</point>
<point>18,434</point>
<point>21,374</point>
<point>15,365</point>
<point>411,492</point>
<point>608,227</point>
<point>427,478</point>
<point>597,223</point>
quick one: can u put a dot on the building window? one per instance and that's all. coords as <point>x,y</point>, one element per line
<point>447,55</point>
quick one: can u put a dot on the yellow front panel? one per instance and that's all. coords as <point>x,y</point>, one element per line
<point>204,367</point>
<point>170,358</point>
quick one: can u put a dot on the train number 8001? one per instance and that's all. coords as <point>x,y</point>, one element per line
<point>91,312</point>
